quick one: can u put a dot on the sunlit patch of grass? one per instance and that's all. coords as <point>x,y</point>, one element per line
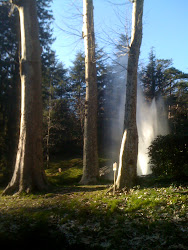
<point>65,172</point>
<point>68,172</point>
<point>144,199</point>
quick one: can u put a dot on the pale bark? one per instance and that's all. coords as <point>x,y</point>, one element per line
<point>129,148</point>
<point>28,173</point>
<point>90,154</point>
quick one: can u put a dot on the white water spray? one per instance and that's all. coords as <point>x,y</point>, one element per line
<point>151,121</point>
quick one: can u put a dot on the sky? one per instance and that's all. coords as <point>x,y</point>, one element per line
<point>165,28</point>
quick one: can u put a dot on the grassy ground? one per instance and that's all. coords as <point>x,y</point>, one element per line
<point>152,216</point>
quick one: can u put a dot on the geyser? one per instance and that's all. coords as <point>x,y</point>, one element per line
<point>151,120</point>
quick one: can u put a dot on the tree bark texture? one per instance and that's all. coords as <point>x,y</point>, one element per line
<point>128,160</point>
<point>29,173</point>
<point>90,152</point>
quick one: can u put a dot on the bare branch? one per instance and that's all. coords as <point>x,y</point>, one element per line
<point>118,4</point>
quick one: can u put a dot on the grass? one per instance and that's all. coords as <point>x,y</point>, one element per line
<point>150,216</point>
<point>65,172</point>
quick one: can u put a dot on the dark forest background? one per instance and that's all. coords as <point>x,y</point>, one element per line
<point>64,92</point>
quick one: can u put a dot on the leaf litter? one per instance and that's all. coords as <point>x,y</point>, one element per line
<point>142,219</point>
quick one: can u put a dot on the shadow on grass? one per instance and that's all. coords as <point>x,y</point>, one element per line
<point>77,189</point>
<point>72,216</point>
<point>75,216</point>
<point>66,222</point>
<point>151,180</point>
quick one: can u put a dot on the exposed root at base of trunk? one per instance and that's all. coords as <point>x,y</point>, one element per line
<point>17,190</point>
<point>110,191</point>
<point>89,181</point>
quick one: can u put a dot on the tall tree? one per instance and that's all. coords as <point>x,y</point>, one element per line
<point>58,113</point>
<point>78,85</point>
<point>161,79</point>
<point>129,148</point>
<point>90,152</point>
<point>28,173</point>
<point>153,77</point>
<point>9,87</point>
<point>149,79</point>
<point>10,78</point>
<point>77,74</point>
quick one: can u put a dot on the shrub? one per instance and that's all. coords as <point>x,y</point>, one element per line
<point>168,155</point>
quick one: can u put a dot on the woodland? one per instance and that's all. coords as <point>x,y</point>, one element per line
<point>56,136</point>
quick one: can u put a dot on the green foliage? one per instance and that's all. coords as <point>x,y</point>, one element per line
<point>168,156</point>
<point>78,88</point>
<point>149,77</point>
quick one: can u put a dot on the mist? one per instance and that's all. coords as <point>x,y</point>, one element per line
<point>151,119</point>
<point>151,122</point>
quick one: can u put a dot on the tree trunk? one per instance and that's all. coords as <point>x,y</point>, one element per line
<point>28,174</point>
<point>90,154</point>
<point>129,148</point>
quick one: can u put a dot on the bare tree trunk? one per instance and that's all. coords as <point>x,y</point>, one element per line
<point>90,154</point>
<point>28,173</point>
<point>129,148</point>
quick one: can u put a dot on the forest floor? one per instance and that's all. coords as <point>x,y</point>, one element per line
<point>153,215</point>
